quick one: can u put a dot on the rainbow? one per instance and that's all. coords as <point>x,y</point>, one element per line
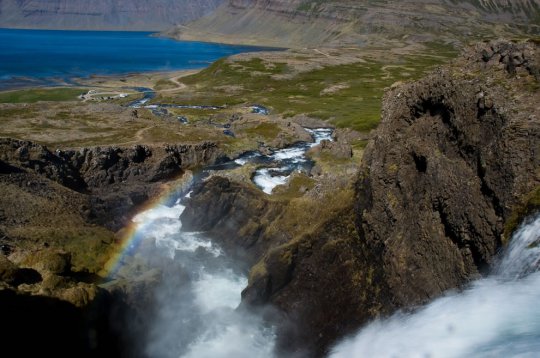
<point>131,236</point>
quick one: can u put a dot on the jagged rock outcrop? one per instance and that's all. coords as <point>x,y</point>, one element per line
<point>102,166</point>
<point>102,15</point>
<point>28,155</point>
<point>234,214</point>
<point>118,178</point>
<point>454,155</point>
<point>341,22</point>
<point>59,212</point>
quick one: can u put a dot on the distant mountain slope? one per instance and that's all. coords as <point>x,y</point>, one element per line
<point>312,22</point>
<point>102,14</point>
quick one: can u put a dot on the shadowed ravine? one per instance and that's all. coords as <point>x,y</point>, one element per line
<point>198,298</point>
<point>198,314</point>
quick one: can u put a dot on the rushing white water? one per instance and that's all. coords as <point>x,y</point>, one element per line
<point>198,298</point>
<point>197,302</point>
<point>496,317</point>
<point>288,160</point>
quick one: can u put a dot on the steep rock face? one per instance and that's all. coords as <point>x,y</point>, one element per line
<point>103,166</point>
<point>102,15</point>
<point>344,22</point>
<point>234,214</point>
<point>316,279</point>
<point>39,159</point>
<point>453,156</point>
<point>117,178</point>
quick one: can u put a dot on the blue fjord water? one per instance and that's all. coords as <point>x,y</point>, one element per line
<point>45,57</point>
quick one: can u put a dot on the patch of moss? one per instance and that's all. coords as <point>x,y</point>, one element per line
<point>357,103</point>
<point>90,247</point>
<point>164,84</point>
<point>297,186</point>
<point>267,131</point>
<point>257,271</point>
<point>21,112</point>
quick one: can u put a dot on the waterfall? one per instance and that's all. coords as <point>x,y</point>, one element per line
<point>498,316</point>
<point>197,301</point>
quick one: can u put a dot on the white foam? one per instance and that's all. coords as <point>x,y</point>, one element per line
<point>479,322</point>
<point>159,212</point>
<point>320,134</point>
<point>247,159</point>
<point>496,317</point>
<point>239,340</point>
<point>289,153</point>
<point>221,290</point>
<point>186,242</point>
<point>267,182</point>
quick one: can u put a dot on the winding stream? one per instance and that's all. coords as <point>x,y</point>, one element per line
<point>198,314</point>
<point>275,168</point>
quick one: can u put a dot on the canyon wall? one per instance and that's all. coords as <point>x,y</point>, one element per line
<point>452,167</point>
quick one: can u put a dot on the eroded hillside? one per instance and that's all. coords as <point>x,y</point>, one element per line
<point>101,15</point>
<point>308,23</point>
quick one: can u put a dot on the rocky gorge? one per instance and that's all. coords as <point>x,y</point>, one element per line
<point>445,178</point>
<point>454,160</point>
<point>60,212</point>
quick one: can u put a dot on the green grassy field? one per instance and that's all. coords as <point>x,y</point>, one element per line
<point>38,94</point>
<point>347,95</point>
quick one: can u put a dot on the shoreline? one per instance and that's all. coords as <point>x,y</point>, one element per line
<point>90,80</point>
<point>11,81</point>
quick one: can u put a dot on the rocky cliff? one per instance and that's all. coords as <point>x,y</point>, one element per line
<point>117,178</point>
<point>343,22</point>
<point>59,214</point>
<point>455,158</point>
<point>455,154</point>
<point>102,15</point>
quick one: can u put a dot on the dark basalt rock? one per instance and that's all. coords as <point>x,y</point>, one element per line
<point>17,154</point>
<point>454,156</point>
<point>235,214</point>
<point>117,178</point>
<point>448,163</point>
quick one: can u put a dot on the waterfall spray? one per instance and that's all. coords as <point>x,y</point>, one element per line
<point>498,316</point>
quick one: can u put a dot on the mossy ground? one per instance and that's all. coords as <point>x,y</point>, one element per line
<point>347,95</point>
<point>37,94</point>
<point>529,204</point>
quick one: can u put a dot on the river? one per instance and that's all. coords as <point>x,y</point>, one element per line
<point>198,299</point>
